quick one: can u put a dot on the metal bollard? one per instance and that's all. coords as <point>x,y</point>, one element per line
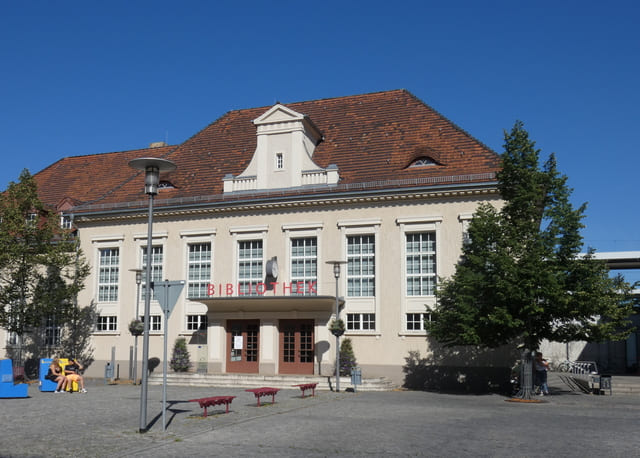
<point>108,373</point>
<point>356,377</point>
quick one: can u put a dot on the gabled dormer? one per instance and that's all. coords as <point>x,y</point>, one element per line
<point>284,154</point>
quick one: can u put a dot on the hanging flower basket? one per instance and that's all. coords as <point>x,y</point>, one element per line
<point>136,327</point>
<point>337,327</point>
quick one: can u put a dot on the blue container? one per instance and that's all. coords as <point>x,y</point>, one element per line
<point>46,385</point>
<point>7,388</point>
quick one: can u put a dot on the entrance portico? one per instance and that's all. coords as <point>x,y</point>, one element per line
<point>270,334</point>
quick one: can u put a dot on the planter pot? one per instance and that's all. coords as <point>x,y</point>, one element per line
<point>136,328</point>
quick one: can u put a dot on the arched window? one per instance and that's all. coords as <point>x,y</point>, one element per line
<point>423,161</point>
<point>165,185</point>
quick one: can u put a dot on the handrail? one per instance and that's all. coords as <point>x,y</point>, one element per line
<point>583,368</point>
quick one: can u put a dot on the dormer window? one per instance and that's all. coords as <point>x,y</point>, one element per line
<point>65,221</point>
<point>165,185</point>
<point>423,162</point>
<point>283,132</point>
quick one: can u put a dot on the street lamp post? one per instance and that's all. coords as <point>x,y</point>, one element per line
<point>152,167</point>
<point>137,316</point>
<point>336,274</point>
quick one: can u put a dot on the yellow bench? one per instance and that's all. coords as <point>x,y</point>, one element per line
<point>73,386</point>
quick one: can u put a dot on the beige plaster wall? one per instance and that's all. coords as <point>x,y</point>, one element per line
<point>386,347</point>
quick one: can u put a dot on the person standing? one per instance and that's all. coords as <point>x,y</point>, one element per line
<point>541,366</point>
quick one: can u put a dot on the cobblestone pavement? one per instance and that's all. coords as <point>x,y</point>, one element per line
<point>105,422</point>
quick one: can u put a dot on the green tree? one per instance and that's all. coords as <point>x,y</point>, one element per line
<point>521,278</point>
<point>41,266</point>
<point>75,341</point>
<point>347,357</point>
<point>180,358</point>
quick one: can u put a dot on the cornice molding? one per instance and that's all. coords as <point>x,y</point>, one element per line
<point>170,212</point>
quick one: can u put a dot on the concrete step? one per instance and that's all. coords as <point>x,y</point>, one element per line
<point>325,383</point>
<point>625,384</point>
<point>620,384</point>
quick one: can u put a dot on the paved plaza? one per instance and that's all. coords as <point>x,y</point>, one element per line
<point>105,422</point>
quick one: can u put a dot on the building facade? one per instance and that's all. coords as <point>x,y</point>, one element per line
<point>262,200</point>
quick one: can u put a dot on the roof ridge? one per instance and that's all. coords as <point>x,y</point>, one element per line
<point>266,107</point>
<point>321,99</point>
<point>77,156</point>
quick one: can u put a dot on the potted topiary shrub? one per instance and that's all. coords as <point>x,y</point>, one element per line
<point>337,327</point>
<point>136,327</point>
<point>347,357</point>
<point>180,360</point>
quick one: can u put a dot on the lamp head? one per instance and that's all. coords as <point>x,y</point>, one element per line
<point>336,267</point>
<point>138,275</point>
<point>152,167</point>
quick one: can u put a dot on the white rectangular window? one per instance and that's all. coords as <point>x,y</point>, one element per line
<point>279,161</point>
<point>197,322</point>
<point>304,265</point>
<point>107,323</point>
<point>421,263</point>
<point>249,267</point>
<point>416,321</point>
<point>156,267</point>
<point>361,321</point>
<point>361,265</point>
<point>52,332</point>
<point>155,322</point>
<point>199,270</point>
<point>108,275</point>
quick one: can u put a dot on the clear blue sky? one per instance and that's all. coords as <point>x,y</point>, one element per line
<point>90,77</point>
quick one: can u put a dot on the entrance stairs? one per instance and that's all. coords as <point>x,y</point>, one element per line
<point>620,384</point>
<point>326,383</point>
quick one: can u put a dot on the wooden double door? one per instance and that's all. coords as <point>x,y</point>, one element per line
<point>295,346</point>
<point>243,346</point>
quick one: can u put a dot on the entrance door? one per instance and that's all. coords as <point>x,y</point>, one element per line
<point>296,346</point>
<point>243,337</point>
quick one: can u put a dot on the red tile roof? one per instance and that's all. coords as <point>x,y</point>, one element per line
<point>370,137</point>
<point>92,178</point>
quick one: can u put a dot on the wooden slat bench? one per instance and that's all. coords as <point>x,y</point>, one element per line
<point>264,391</point>
<point>213,401</point>
<point>307,386</point>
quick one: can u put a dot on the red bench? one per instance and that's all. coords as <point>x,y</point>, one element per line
<point>307,386</point>
<point>264,391</point>
<point>213,401</point>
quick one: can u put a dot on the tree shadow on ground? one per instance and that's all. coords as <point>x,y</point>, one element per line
<point>464,370</point>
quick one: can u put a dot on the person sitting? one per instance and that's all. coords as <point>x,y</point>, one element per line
<point>72,371</point>
<point>55,375</point>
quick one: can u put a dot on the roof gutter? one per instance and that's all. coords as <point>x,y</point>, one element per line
<point>207,202</point>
